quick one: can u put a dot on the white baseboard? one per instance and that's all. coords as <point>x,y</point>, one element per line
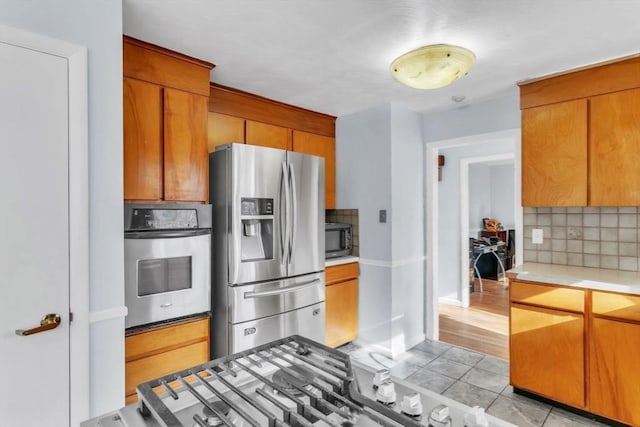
<point>450,301</point>
<point>385,351</point>
<point>373,346</point>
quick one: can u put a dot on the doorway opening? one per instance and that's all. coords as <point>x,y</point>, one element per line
<point>455,212</point>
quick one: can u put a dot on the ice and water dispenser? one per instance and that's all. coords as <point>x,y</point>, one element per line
<point>256,219</point>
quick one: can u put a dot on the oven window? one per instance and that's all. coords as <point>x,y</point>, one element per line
<point>159,275</point>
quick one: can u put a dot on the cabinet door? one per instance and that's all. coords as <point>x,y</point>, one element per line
<point>268,135</point>
<point>142,140</point>
<point>323,146</point>
<point>341,324</point>
<point>614,370</point>
<point>614,149</point>
<point>547,353</point>
<point>223,129</point>
<point>554,155</point>
<point>186,162</point>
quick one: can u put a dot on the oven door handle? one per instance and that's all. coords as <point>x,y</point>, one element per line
<point>296,287</point>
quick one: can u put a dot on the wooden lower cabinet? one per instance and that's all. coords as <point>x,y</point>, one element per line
<point>160,351</point>
<point>341,304</point>
<point>547,353</point>
<point>614,370</point>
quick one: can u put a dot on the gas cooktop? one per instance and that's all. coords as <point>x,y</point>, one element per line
<point>289,382</point>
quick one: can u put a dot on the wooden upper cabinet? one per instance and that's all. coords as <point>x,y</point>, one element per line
<point>554,155</point>
<point>614,149</point>
<point>142,140</point>
<point>186,163</point>
<point>165,124</point>
<point>223,129</point>
<point>581,136</point>
<point>323,146</point>
<point>267,135</point>
<point>237,116</point>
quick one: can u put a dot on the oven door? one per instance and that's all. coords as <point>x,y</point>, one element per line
<point>167,275</point>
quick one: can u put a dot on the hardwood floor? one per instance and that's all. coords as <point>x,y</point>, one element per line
<point>484,325</point>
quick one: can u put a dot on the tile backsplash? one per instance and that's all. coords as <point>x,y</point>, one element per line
<point>586,237</point>
<point>347,216</point>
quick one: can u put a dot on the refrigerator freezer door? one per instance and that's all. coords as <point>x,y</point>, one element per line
<point>264,299</point>
<point>256,190</point>
<point>303,321</point>
<point>306,247</point>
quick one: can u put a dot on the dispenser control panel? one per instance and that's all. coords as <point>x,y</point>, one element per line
<point>256,206</point>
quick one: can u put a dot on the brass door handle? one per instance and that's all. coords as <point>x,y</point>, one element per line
<point>50,321</point>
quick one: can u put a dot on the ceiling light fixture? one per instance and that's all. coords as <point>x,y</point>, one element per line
<point>433,66</point>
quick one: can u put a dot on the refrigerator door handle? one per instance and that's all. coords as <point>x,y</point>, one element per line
<point>294,211</point>
<point>296,287</point>
<point>284,217</point>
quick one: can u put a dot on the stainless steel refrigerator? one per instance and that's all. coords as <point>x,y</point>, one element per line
<point>268,246</point>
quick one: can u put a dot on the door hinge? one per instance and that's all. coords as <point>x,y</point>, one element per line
<point>70,316</point>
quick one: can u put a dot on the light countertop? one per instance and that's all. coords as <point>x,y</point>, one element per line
<point>580,277</point>
<point>340,260</point>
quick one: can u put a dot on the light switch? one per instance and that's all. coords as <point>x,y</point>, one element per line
<point>537,236</point>
<point>382,215</point>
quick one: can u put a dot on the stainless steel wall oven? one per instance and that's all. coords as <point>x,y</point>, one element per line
<point>167,251</point>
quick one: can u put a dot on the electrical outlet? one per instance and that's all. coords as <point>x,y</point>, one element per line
<point>382,217</point>
<point>537,236</point>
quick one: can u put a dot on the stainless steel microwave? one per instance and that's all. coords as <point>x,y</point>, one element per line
<point>338,239</point>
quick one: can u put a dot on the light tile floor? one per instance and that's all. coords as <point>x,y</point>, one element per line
<point>471,378</point>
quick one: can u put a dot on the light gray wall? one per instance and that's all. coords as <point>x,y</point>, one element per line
<point>491,195</point>
<point>97,25</point>
<point>449,213</point>
<point>407,221</point>
<point>501,113</point>
<point>363,182</point>
<point>379,160</point>
<point>479,196</point>
<point>502,194</point>
<point>493,115</point>
<point>363,174</point>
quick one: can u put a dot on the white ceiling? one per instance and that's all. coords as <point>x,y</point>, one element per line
<point>333,56</point>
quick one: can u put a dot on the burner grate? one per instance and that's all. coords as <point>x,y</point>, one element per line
<point>289,382</point>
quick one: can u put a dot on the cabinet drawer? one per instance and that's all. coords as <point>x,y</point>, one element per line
<point>158,365</point>
<point>619,306</point>
<point>547,296</point>
<point>339,273</point>
<point>164,338</point>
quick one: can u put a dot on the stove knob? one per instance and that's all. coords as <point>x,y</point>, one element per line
<point>386,393</point>
<point>381,376</point>
<point>411,405</point>
<point>476,418</point>
<point>439,417</point>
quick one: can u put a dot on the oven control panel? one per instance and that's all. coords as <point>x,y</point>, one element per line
<point>156,217</point>
<point>163,219</point>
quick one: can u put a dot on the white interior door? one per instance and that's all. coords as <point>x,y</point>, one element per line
<point>34,247</point>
